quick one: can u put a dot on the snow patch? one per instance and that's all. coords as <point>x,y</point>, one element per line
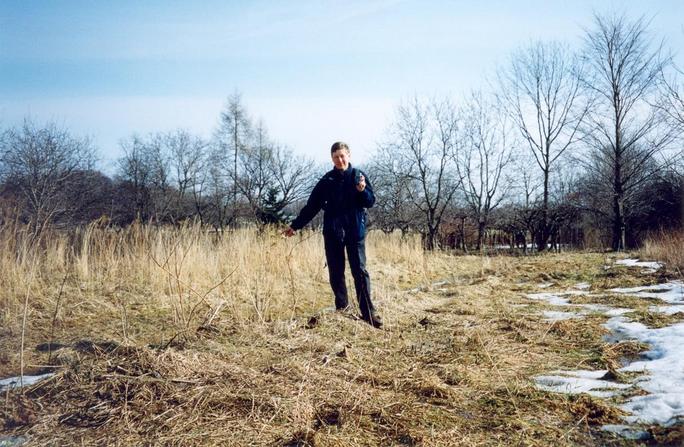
<point>583,381</point>
<point>551,298</point>
<point>550,315</point>
<point>664,363</point>
<point>627,432</point>
<point>650,267</point>
<point>661,368</point>
<point>667,310</point>
<point>671,292</point>
<point>16,382</point>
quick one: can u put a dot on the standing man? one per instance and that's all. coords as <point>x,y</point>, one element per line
<point>343,193</point>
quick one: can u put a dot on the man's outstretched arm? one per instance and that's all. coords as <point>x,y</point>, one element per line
<point>312,207</point>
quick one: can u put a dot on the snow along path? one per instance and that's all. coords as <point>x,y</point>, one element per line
<point>662,367</point>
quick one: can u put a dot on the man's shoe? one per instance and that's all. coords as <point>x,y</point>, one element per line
<point>374,320</point>
<point>344,310</point>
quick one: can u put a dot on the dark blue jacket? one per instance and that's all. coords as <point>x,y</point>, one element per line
<point>344,215</point>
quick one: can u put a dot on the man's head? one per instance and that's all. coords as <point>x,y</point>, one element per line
<point>340,155</point>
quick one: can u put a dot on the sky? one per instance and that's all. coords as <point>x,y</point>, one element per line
<point>314,71</point>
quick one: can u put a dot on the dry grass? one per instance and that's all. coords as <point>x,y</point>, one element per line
<point>181,337</point>
<point>666,247</point>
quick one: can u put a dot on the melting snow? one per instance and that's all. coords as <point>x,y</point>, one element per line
<point>671,292</point>
<point>650,267</point>
<point>662,367</point>
<point>665,364</point>
<point>552,298</point>
<point>582,286</point>
<point>583,381</point>
<point>15,382</point>
<point>667,310</point>
<point>550,315</point>
<point>627,432</point>
<point>556,299</point>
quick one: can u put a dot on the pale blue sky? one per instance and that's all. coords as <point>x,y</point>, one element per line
<point>315,71</point>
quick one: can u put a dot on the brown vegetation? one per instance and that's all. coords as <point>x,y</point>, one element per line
<point>187,337</point>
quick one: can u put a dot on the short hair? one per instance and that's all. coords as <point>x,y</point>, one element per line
<point>337,146</point>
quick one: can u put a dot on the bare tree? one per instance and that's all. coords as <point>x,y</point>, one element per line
<point>484,152</point>
<point>232,137</point>
<point>41,163</point>
<point>423,139</point>
<point>187,158</point>
<point>393,207</point>
<point>144,167</point>
<point>160,179</point>
<point>541,91</point>
<point>292,178</point>
<point>627,131</point>
<point>219,187</point>
<point>255,164</point>
<point>271,177</point>
<point>672,100</point>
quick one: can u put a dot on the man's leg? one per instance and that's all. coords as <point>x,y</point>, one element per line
<point>334,255</point>
<point>356,251</point>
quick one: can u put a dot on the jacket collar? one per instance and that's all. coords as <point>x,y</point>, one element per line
<point>336,173</point>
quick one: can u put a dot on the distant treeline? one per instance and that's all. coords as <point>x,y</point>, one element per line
<point>570,147</point>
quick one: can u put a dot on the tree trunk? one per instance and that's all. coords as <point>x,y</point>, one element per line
<point>464,246</point>
<point>543,234</point>
<point>481,225</point>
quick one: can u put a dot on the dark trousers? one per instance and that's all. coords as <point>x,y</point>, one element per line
<point>356,252</point>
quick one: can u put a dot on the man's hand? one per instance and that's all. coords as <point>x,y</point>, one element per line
<point>362,184</point>
<point>288,232</point>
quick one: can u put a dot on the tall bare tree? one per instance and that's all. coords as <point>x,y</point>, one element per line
<point>393,207</point>
<point>187,158</point>
<point>160,179</point>
<point>541,91</point>
<point>484,152</point>
<point>422,139</point>
<point>134,168</point>
<point>627,131</point>
<point>232,137</point>
<point>255,165</point>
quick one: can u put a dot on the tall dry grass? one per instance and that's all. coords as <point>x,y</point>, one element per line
<point>452,365</point>
<point>190,273</point>
<point>667,247</point>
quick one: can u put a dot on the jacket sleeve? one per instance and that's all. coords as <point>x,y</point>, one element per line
<point>366,198</point>
<point>312,207</point>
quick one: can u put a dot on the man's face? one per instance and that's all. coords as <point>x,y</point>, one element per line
<point>340,159</point>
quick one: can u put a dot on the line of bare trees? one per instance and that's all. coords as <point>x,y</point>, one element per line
<point>566,143</point>
<point>580,148</point>
<point>241,175</point>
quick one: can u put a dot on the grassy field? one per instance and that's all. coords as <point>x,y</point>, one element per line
<point>181,337</point>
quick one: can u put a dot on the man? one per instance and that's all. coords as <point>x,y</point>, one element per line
<point>343,193</point>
